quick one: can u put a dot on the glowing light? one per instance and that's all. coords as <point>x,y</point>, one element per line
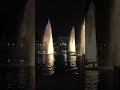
<point>72,47</point>
<point>13,44</point>
<point>21,44</point>
<point>90,35</point>
<point>22,61</point>
<point>8,44</point>
<point>47,39</point>
<point>82,39</point>
<point>9,60</point>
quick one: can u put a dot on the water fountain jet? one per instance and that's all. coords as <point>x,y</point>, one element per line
<point>72,49</point>
<point>48,40</point>
<point>48,50</point>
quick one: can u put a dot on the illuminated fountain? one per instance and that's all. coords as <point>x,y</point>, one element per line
<point>25,48</point>
<point>113,56</point>
<point>48,50</point>
<point>81,52</point>
<point>90,35</point>
<point>82,40</point>
<point>48,40</point>
<point>25,51</point>
<point>72,49</point>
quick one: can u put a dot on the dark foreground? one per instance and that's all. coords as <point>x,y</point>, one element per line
<point>22,78</point>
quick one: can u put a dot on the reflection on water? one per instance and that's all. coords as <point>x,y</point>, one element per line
<point>14,77</point>
<point>72,61</point>
<point>91,80</point>
<point>57,73</point>
<point>65,72</point>
<point>47,64</point>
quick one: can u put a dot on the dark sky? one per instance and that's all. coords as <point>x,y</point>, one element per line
<point>11,13</point>
<point>62,13</point>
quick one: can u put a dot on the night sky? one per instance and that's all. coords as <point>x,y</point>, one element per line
<point>63,14</point>
<point>11,13</point>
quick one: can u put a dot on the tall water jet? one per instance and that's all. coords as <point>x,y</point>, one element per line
<point>48,40</point>
<point>90,35</point>
<point>26,36</point>
<point>72,48</point>
<point>114,52</point>
<point>82,40</point>
<point>48,54</point>
<point>24,59</point>
<point>81,52</point>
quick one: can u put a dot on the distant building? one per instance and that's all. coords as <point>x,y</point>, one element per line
<point>61,43</point>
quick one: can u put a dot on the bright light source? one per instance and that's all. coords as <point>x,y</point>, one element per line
<point>8,60</point>
<point>21,60</point>
<point>21,44</point>
<point>13,44</point>
<point>8,44</point>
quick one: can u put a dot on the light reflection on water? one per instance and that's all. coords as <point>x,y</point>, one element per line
<point>47,64</point>
<point>63,72</point>
<point>17,77</point>
<point>91,80</point>
<point>72,61</point>
<point>58,72</point>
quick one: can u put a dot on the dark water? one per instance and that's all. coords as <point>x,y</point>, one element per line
<point>17,77</point>
<point>71,75</point>
<point>61,74</point>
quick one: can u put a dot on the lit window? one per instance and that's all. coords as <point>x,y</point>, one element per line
<point>43,51</point>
